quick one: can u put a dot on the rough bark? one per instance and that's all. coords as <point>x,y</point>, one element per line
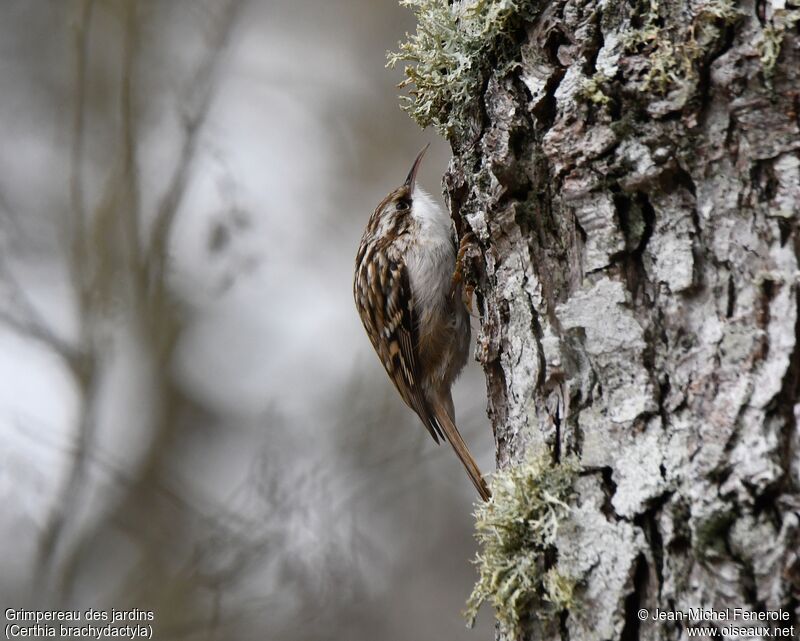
<point>632,189</point>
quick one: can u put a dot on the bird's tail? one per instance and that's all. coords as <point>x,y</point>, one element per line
<point>462,451</point>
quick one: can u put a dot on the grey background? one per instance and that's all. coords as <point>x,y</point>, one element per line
<point>297,497</point>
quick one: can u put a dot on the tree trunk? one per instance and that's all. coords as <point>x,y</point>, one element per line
<point>628,187</point>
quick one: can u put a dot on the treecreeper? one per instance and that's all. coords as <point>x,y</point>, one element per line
<point>411,305</point>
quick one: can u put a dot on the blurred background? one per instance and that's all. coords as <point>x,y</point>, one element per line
<point>191,416</point>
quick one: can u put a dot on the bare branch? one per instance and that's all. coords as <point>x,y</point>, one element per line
<point>202,84</point>
<point>77,233</point>
<point>130,189</point>
<point>28,321</point>
<point>36,330</point>
<point>116,220</point>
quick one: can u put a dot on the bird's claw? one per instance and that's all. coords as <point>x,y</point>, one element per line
<point>457,282</point>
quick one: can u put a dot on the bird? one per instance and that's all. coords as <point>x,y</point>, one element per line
<point>412,308</point>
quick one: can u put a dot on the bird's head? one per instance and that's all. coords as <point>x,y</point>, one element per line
<point>400,201</point>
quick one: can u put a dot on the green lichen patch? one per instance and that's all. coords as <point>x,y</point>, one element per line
<point>559,589</point>
<point>673,54</point>
<point>517,531</point>
<point>453,49</point>
<point>592,89</point>
<point>769,47</point>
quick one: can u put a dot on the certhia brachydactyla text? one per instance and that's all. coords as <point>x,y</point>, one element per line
<point>412,309</point>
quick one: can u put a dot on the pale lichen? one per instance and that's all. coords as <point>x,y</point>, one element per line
<point>592,89</point>
<point>451,53</point>
<point>769,47</point>
<point>672,55</point>
<point>517,531</point>
<point>559,589</point>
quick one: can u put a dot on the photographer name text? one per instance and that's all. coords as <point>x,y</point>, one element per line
<point>708,614</point>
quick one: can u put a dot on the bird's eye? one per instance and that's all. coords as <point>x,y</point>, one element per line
<point>402,205</point>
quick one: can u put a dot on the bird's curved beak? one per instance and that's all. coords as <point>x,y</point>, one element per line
<point>412,175</point>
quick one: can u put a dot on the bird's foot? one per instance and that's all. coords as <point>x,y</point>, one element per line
<point>458,282</point>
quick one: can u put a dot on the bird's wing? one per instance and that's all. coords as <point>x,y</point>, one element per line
<point>402,340</point>
<point>394,333</point>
